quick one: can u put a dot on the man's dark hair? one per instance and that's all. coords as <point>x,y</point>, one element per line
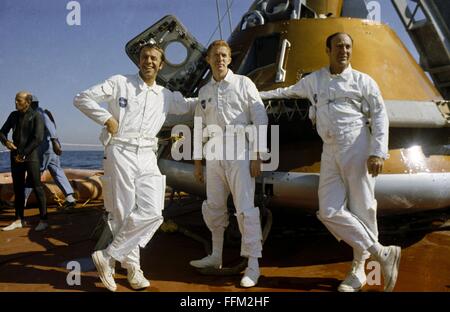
<point>152,46</point>
<point>330,38</point>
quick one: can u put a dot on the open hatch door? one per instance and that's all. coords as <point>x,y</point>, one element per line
<point>185,63</point>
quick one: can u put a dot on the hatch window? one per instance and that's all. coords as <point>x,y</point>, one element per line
<point>176,53</point>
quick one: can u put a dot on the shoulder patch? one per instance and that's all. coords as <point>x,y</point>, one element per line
<point>123,102</point>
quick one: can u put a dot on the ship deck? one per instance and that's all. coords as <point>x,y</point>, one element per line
<point>299,255</point>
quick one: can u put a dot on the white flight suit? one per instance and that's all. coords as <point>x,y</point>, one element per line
<point>232,101</point>
<point>133,187</point>
<point>341,107</point>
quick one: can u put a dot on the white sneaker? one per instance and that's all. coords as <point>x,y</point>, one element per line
<point>15,225</point>
<point>104,270</point>
<point>389,259</point>
<point>207,262</point>
<point>137,279</point>
<point>41,226</point>
<point>355,279</point>
<point>250,278</point>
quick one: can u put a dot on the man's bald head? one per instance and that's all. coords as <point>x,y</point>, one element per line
<point>23,101</point>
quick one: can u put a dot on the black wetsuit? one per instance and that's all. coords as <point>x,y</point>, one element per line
<point>28,133</point>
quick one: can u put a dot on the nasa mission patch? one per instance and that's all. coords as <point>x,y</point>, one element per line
<point>123,102</point>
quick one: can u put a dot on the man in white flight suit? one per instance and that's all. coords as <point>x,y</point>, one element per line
<point>133,185</point>
<point>343,100</point>
<point>230,99</point>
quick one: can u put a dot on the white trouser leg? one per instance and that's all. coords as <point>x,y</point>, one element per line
<point>360,188</point>
<point>120,169</point>
<point>138,204</point>
<point>221,177</point>
<point>242,187</point>
<point>333,200</point>
<point>214,209</point>
<point>361,191</point>
<point>132,259</point>
<point>140,226</point>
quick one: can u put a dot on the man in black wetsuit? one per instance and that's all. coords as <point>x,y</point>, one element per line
<point>28,133</point>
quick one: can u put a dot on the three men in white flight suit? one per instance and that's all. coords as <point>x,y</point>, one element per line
<point>230,100</point>
<point>343,100</point>
<point>134,188</point>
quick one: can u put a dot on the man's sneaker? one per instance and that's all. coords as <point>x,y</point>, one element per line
<point>67,206</point>
<point>250,278</point>
<point>15,225</point>
<point>355,279</point>
<point>104,270</point>
<point>41,226</point>
<point>389,259</point>
<point>137,279</point>
<point>207,262</point>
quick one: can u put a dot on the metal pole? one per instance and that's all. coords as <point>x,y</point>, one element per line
<point>229,17</point>
<point>218,18</point>
<point>221,19</point>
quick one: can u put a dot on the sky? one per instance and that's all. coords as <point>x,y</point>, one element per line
<point>42,53</point>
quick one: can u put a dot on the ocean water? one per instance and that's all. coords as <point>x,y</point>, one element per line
<point>69,159</point>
